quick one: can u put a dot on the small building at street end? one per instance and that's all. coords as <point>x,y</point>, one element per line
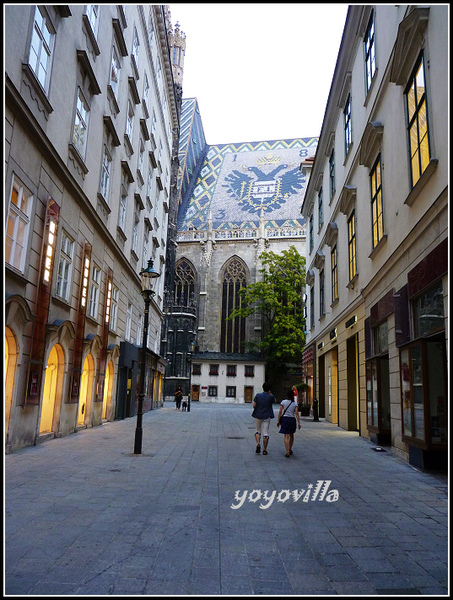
<point>376,207</point>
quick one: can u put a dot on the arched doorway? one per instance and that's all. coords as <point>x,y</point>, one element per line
<point>10,372</point>
<point>86,388</point>
<point>50,391</point>
<point>108,386</point>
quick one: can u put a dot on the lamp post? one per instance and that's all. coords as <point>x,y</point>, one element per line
<point>148,277</point>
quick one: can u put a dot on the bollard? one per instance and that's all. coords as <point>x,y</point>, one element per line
<point>315,410</point>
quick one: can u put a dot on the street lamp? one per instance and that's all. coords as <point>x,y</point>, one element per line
<point>148,277</point>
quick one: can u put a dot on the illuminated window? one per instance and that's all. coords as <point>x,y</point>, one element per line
<point>352,247</point>
<point>417,122</point>
<point>376,203</point>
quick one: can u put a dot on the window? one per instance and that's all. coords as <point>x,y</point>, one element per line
<point>322,310</point>
<point>311,234</point>
<point>428,311</point>
<point>332,173</point>
<point>81,124</point>
<point>93,305</point>
<point>115,71</point>
<point>370,52</point>
<point>16,235</point>
<point>135,228</point>
<point>129,119</point>
<point>146,96</point>
<point>105,174</point>
<point>114,309</point>
<point>196,369</point>
<point>123,201</point>
<point>184,283</point>
<point>232,333</point>
<point>334,272</point>
<point>376,203</point>
<point>41,47</point>
<point>231,370</point>
<point>231,391</point>
<point>138,336</point>
<point>213,369</point>
<point>347,125</point>
<point>65,266</point>
<point>417,122</point>
<point>135,46</point>
<point>320,210</point>
<point>212,391</point>
<point>92,13</point>
<point>352,247</point>
<point>128,322</point>
<point>141,155</point>
<point>312,307</point>
<point>249,371</point>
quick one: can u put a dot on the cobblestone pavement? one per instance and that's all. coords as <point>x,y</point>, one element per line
<point>201,513</point>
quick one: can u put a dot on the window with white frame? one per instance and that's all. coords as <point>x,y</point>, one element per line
<point>135,46</point>
<point>146,95</point>
<point>123,201</point>
<point>141,155</point>
<point>105,174</point>
<point>114,308</point>
<point>347,122</point>
<point>370,52</point>
<point>81,124</point>
<point>332,173</point>
<point>320,210</point>
<point>92,12</point>
<point>65,263</point>
<point>128,322</point>
<point>41,48</point>
<point>17,225</point>
<point>115,70</point>
<point>149,183</point>
<point>135,229</point>
<point>150,29</point>
<point>129,119</point>
<point>93,305</point>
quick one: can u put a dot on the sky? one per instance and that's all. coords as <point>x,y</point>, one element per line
<point>260,71</point>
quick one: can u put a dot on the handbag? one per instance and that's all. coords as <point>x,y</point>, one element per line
<point>283,414</point>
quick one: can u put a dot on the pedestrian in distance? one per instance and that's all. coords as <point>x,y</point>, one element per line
<point>263,412</point>
<point>178,397</point>
<point>286,420</point>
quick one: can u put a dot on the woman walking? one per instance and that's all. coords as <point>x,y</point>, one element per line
<point>287,417</point>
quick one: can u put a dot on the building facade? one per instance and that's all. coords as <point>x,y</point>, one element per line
<point>91,117</point>
<point>376,208</point>
<point>236,201</point>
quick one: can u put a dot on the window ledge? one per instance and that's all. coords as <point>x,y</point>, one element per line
<point>353,281</point>
<point>423,180</point>
<point>37,89</point>
<point>78,160</point>
<point>378,246</point>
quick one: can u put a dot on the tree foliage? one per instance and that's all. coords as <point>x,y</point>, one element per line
<point>277,298</point>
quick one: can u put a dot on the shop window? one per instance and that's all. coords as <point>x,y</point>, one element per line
<point>378,385</point>
<point>423,372</point>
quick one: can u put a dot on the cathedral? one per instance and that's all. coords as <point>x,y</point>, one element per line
<point>235,201</point>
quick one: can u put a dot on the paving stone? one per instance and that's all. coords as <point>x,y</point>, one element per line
<point>85,516</point>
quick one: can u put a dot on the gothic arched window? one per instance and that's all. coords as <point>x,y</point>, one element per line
<point>185,277</point>
<point>232,333</point>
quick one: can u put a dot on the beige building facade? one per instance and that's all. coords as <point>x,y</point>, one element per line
<point>90,120</point>
<point>376,207</point>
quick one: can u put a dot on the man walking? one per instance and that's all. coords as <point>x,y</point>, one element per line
<point>263,412</point>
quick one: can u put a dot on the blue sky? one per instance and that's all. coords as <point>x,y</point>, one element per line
<point>260,71</point>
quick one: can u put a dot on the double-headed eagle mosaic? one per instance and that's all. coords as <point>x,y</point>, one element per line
<point>256,190</point>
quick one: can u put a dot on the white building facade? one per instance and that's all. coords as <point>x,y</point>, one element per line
<point>376,207</point>
<point>90,118</point>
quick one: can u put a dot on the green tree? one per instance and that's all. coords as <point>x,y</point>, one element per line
<point>278,299</point>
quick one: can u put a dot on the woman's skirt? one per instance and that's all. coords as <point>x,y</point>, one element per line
<point>287,425</point>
